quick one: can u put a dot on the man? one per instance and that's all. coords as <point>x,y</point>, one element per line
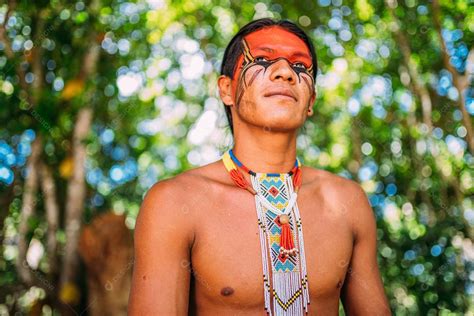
<point>197,244</point>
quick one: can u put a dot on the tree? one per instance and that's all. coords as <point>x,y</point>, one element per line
<point>102,99</point>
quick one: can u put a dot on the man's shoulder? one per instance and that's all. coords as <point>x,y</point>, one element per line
<point>344,196</point>
<point>330,182</point>
<point>338,191</point>
<point>191,182</point>
<point>173,202</point>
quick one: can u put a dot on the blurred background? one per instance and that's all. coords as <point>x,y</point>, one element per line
<point>100,99</point>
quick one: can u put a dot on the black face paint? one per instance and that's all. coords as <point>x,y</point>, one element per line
<point>250,62</point>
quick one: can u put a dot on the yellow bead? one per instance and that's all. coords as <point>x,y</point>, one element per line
<point>284,219</point>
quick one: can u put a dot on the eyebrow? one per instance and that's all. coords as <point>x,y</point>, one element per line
<point>271,50</point>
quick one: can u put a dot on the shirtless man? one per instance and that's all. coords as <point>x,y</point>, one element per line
<point>197,248</point>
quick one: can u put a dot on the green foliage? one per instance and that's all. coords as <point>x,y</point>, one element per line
<point>156,81</point>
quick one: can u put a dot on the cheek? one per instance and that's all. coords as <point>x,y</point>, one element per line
<point>307,81</point>
<point>253,77</point>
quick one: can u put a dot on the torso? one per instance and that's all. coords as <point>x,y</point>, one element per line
<point>226,257</point>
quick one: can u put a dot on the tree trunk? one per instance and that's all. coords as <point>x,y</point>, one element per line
<point>27,209</point>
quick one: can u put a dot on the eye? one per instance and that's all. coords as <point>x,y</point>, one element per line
<point>299,65</point>
<point>261,58</point>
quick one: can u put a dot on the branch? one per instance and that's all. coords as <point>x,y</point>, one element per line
<point>459,81</point>
<point>76,187</point>
<point>6,198</point>
<point>9,51</point>
<point>420,90</point>
<point>75,196</point>
<point>52,214</point>
<point>3,30</point>
<point>37,52</point>
<point>419,86</point>
<point>469,67</point>
<point>27,209</point>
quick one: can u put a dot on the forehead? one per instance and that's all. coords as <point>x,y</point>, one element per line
<point>279,42</point>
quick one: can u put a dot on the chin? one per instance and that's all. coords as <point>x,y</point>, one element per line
<point>281,124</point>
<point>273,116</point>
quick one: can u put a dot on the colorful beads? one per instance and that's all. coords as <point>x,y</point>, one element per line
<point>284,253</point>
<point>230,162</point>
<point>284,219</point>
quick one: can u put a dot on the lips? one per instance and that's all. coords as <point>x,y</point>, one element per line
<point>281,92</point>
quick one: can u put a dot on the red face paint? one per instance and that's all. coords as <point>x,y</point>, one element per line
<point>263,48</point>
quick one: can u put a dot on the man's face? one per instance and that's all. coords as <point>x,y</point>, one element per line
<point>273,84</point>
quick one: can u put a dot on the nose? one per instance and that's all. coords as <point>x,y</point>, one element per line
<point>281,70</point>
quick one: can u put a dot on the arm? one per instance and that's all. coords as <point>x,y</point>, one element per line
<point>163,239</point>
<point>363,291</point>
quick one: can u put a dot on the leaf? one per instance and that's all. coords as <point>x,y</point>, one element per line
<point>72,88</point>
<point>364,10</point>
<point>66,167</point>
<point>70,294</point>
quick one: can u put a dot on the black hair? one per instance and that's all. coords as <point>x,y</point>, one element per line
<point>234,49</point>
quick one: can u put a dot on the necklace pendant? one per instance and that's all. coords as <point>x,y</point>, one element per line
<point>284,219</point>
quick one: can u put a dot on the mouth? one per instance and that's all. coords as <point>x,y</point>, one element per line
<point>281,93</point>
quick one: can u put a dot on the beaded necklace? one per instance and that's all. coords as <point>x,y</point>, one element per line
<point>286,290</point>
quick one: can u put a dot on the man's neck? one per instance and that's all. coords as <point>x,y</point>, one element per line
<point>265,151</point>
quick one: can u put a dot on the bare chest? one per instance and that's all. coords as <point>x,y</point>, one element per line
<point>226,257</point>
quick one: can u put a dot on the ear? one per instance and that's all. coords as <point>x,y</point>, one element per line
<point>225,90</point>
<point>311,103</point>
